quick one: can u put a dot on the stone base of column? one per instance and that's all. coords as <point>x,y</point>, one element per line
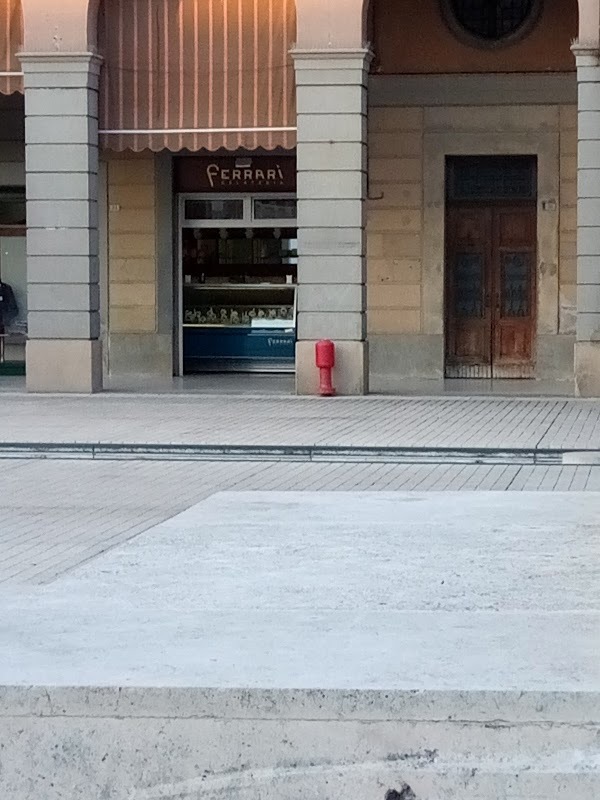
<point>587,369</point>
<point>351,373</point>
<point>64,365</point>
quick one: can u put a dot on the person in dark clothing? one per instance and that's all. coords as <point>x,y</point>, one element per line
<point>8,306</point>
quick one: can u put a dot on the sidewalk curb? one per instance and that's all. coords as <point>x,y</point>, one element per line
<point>314,453</point>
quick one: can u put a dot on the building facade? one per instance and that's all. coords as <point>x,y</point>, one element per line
<point>220,184</point>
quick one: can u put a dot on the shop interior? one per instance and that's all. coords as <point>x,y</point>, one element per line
<point>239,258</point>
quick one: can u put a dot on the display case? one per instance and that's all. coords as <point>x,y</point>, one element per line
<point>239,326</point>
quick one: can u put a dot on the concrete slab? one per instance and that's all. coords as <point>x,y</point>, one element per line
<point>329,590</point>
<point>272,646</point>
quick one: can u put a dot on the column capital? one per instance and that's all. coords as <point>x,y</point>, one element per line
<point>586,54</point>
<point>364,55</point>
<point>60,62</point>
<point>44,70</point>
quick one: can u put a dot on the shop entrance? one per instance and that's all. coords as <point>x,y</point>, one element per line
<point>490,305</point>
<point>238,275</point>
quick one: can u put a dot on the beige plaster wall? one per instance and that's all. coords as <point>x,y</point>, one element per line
<point>134,344</point>
<point>395,220</point>
<point>568,220</point>
<point>405,222</point>
<point>132,245</point>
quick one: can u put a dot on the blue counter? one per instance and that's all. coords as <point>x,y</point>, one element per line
<point>237,348</point>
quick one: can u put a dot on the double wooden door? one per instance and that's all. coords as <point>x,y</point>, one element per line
<point>490,290</point>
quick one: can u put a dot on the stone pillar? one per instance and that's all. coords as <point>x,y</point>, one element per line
<point>61,153</point>
<point>332,179</point>
<point>587,346</point>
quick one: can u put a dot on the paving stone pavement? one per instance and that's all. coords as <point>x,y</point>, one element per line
<point>57,514</point>
<point>476,422</point>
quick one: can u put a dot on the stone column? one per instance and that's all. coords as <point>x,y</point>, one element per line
<point>587,346</point>
<point>332,179</point>
<point>61,152</point>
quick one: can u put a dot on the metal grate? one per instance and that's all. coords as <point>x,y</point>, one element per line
<point>516,300</point>
<point>492,20</point>
<point>492,178</point>
<point>468,285</point>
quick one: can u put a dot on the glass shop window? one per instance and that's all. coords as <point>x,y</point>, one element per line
<point>12,206</point>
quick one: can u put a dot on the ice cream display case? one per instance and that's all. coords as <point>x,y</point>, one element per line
<point>239,327</point>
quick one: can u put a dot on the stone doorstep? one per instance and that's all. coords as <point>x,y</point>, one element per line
<point>284,745</point>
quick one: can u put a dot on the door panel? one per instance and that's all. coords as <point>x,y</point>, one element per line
<point>514,273</point>
<point>490,291</point>
<point>468,328</point>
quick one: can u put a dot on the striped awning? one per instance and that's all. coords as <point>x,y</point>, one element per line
<point>11,38</point>
<point>195,74</point>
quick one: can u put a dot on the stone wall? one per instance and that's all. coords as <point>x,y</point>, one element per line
<point>135,345</point>
<point>568,220</point>
<point>408,145</point>
<point>395,220</point>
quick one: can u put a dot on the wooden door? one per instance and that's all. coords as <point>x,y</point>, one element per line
<point>490,291</point>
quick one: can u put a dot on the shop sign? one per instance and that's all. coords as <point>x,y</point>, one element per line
<point>256,174</point>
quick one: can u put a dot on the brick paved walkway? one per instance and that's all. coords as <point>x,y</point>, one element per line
<point>58,514</point>
<point>291,421</point>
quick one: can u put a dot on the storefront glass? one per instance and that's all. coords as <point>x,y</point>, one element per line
<point>238,283</point>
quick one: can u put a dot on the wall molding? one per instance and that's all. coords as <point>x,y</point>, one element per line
<point>473,90</point>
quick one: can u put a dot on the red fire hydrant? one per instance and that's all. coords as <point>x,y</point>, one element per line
<point>325,359</point>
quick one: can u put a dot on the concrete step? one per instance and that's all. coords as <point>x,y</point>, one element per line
<point>399,645</point>
<point>202,744</point>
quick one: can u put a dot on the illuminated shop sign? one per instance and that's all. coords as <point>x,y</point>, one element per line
<point>256,174</point>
